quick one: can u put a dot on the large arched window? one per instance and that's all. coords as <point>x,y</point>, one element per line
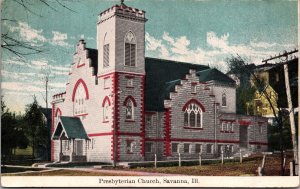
<point>193,114</point>
<point>80,101</point>
<point>130,49</point>
<point>79,97</point>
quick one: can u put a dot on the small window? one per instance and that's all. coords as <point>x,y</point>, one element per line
<point>194,88</point>
<point>148,147</point>
<point>209,148</point>
<point>129,82</point>
<point>228,126</point>
<point>198,148</point>
<point>106,55</point>
<point>105,111</point>
<point>187,148</point>
<point>129,146</point>
<point>106,83</point>
<point>148,121</point>
<point>175,148</point>
<point>224,103</point>
<point>223,126</point>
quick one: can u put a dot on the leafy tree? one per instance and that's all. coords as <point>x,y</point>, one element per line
<point>35,125</point>
<point>245,73</point>
<point>12,135</point>
<point>245,91</point>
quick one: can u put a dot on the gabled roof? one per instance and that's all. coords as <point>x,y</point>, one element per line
<point>158,73</point>
<point>72,128</point>
<point>214,75</point>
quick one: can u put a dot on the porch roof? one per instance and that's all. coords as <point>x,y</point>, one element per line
<point>71,127</point>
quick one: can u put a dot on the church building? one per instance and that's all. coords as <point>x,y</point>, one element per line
<point>120,106</point>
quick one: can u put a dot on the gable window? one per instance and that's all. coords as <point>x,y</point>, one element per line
<point>193,116</point>
<point>106,55</point>
<point>130,49</point>
<point>175,147</point>
<point>198,148</point>
<point>224,103</point>
<point>194,88</point>
<point>148,147</point>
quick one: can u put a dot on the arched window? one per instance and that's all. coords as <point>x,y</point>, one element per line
<point>129,110</point>
<point>130,49</point>
<point>224,99</point>
<point>193,115</point>
<point>57,115</point>
<point>105,105</point>
<point>129,104</point>
<point>80,101</point>
<point>79,97</point>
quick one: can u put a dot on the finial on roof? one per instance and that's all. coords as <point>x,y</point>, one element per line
<point>122,2</point>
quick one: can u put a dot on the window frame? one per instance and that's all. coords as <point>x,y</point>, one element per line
<point>224,99</point>
<point>199,148</point>
<point>106,49</point>
<point>130,40</point>
<point>177,147</point>
<point>195,109</point>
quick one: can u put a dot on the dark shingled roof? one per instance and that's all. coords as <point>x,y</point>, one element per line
<point>214,75</point>
<point>93,55</point>
<point>72,126</point>
<point>158,73</point>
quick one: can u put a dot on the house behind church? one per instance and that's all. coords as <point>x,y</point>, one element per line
<point>120,105</point>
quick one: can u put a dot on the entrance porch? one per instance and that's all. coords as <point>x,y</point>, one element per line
<point>72,139</point>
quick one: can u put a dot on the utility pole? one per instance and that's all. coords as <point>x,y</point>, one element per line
<point>289,99</point>
<point>291,112</point>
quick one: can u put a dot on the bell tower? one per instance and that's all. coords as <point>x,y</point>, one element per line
<point>121,69</point>
<point>121,39</point>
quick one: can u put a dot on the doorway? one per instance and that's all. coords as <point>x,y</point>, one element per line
<point>243,136</point>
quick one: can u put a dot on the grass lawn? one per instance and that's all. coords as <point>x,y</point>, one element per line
<point>64,172</point>
<point>247,168</point>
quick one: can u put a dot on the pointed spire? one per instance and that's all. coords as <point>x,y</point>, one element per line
<point>122,2</point>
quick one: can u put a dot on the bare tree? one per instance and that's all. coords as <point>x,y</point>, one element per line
<point>19,47</point>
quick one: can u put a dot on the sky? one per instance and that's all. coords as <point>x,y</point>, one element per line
<point>196,31</point>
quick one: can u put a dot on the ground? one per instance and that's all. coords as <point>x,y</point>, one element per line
<point>247,168</point>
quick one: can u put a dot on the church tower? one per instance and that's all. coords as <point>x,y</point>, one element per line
<point>121,71</point>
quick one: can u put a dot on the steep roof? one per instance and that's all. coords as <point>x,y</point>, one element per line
<point>72,126</point>
<point>158,73</point>
<point>214,75</point>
